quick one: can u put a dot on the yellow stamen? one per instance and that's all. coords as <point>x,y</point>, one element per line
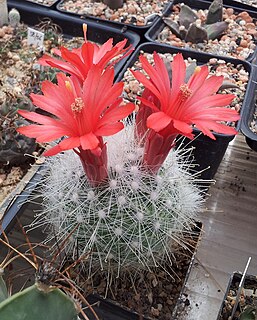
<point>77,106</point>
<point>197,69</point>
<point>185,91</point>
<point>68,85</point>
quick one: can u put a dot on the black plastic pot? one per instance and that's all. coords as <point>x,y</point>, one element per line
<point>72,26</point>
<point>15,204</point>
<point>250,282</point>
<point>158,25</point>
<point>141,30</point>
<point>248,113</point>
<point>208,153</point>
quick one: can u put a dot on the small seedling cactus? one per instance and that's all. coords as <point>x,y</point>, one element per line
<point>13,145</point>
<point>14,17</point>
<point>191,29</point>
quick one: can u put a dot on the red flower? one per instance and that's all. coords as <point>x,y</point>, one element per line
<point>82,114</point>
<point>77,62</point>
<point>176,106</point>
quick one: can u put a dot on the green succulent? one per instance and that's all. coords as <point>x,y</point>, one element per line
<point>190,28</point>
<point>13,146</point>
<point>35,302</point>
<point>249,313</point>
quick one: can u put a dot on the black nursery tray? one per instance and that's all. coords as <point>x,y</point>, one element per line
<point>207,153</point>
<point>72,26</point>
<point>138,29</point>
<point>248,113</point>
<point>16,202</point>
<point>249,283</point>
<point>159,25</point>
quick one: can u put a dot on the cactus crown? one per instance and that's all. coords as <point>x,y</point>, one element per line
<point>192,29</point>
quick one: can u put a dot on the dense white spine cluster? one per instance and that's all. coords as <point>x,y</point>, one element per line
<point>134,219</point>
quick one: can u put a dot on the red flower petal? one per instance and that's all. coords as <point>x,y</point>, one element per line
<point>53,151</point>
<point>89,141</point>
<point>69,143</point>
<point>158,121</point>
<point>109,129</point>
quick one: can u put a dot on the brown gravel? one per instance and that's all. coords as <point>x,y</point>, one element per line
<point>238,41</point>
<point>151,294</point>
<point>136,12</point>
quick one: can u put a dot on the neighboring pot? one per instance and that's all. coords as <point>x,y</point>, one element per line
<point>15,203</point>
<point>248,295</point>
<point>159,25</point>
<point>249,113</point>
<point>207,152</point>
<point>152,17</point>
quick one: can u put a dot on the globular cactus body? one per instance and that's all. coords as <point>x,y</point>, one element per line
<point>190,28</point>
<point>33,303</point>
<point>132,221</point>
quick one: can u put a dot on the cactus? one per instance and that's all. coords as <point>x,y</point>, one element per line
<point>131,221</point>
<point>249,313</point>
<point>190,28</point>
<point>13,146</point>
<point>34,303</point>
<point>14,17</point>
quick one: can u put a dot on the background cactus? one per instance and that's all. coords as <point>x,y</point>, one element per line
<point>14,17</point>
<point>13,146</point>
<point>191,29</point>
<point>35,303</point>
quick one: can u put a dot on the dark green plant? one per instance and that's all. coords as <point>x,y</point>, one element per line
<point>36,303</point>
<point>249,313</point>
<point>190,28</point>
<point>13,146</point>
